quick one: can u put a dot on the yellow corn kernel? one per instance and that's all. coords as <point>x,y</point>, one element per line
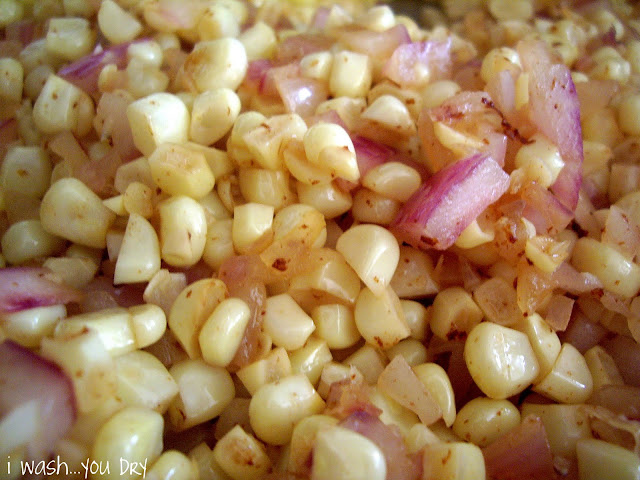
<point>335,372</point>
<point>236,145</point>
<point>164,288</point>
<point>329,146</point>
<point>70,38</point>
<point>213,115</point>
<point>264,140</point>
<point>214,208</point>
<point>602,367</point>
<point>241,456</point>
<point>371,207</point>
<point>274,366</point>
<point>419,436</point>
<point>457,460</point>
<point>12,75</point>
<point>192,308</point>
<point>498,60</point>
<point>172,465</point>
<point>610,65</point>
<point>311,358</point>
<point>390,113</point>
<point>437,383</point>
<point>139,254</point>
<point>570,380</point>
<point>143,381</point>
<point>327,198</point>
<point>71,210</point>
<point>223,331</point>
<point>602,126</point>
<point>417,317</point>
<point>218,21</point>
<point>158,118</point>
<point>437,92</point>
<point>500,360</point>
<point>26,170</point>
<point>317,65</point>
<point>483,420</point>
<point>259,40</point>
<point>546,253</point>
<point>28,327</point>
<point>351,74</point>
<point>599,459</point>
<point>28,240</point>
<point>116,24</point>
<point>134,171</point>
<point>303,440</point>
<point>268,187</point>
<point>412,350</point>
<point>12,11</point>
<point>628,112</point>
<point>204,392</point>
<point>348,109</point>
<point>336,325</point>
<point>518,10</point>
<point>276,407</point>
<point>34,81</point>
<point>343,453</point>
<point>219,244</point>
<point>183,231</point>
<point>541,160</point>
<point>178,170</point>
<point>137,198</point>
<point>369,362</point>
<point>394,180</point>
<point>287,324</point>
<point>414,276</point>
<point>220,63</point>
<point>300,168</point>
<point>474,235</point>
<point>252,227</point>
<point>454,314</point>
<point>380,318</point>
<point>543,340</point>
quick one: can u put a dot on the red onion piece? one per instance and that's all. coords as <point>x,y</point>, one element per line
<point>111,112</point>
<point>449,201</point>
<point>8,134</point>
<point>408,62</point>
<point>378,45</point>
<point>555,110</point>
<point>25,377</point>
<point>544,210</point>
<point>24,31</point>
<point>302,95</point>
<point>295,47</point>
<point>29,287</point>
<point>347,397</point>
<point>521,454</point>
<point>626,353</point>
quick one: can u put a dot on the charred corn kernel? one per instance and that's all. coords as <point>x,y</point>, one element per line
<point>599,459</point>
<point>11,79</point>
<point>259,41</point>
<point>287,324</point>
<point>628,112</point>
<point>457,460</point>
<point>564,425</point>
<point>570,380</point>
<point>311,358</point>
<point>183,231</point>
<point>84,358</point>
<point>437,92</point>
<point>414,276</point>
<point>264,140</point>
<point>139,255</point>
<point>390,113</point>
<point>116,24</point>
<point>220,63</point>
<point>178,170</point>
<point>500,360</point>
<point>437,383</point>
<point>192,308</point>
<point>219,244</point>
<point>482,420</point>
<point>236,145</point>
<point>218,21</point>
<point>241,455</point>
<point>132,435</point>
<point>327,198</point>
<point>213,115</point>
<point>267,187</point>
<point>328,145</point>
<point>276,407</point>
<point>28,327</point>
<point>303,440</point>
<point>143,381</point>
<point>543,340</point>
<point>172,465</point>
<point>317,65</point>
<point>252,225</point>
<point>274,366</point>
<point>335,372</point>
<point>138,198</point>
<point>602,367</point>
<point>394,180</point>
<point>71,210</point>
<point>454,314</point>
<point>336,325</point>
<point>412,350</point>
<point>372,252</point>
<point>380,318</point>
<point>70,38</point>
<point>134,171</point>
<point>371,207</point>
<point>417,317</point>
<point>158,118</point>
<point>343,453</point>
<point>617,274</point>
<point>541,160</point>
<point>223,331</point>
<point>351,74</point>
<point>63,106</point>
<point>369,362</point>
<point>204,392</point>
<point>474,235</point>
<point>348,109</point>
<point>28,240</point>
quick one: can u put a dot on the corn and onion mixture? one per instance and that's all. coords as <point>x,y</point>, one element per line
<point>261,239</point>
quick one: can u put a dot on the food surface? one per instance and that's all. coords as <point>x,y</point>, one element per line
<point>289,240</point>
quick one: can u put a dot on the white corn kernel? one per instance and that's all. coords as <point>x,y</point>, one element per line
<point>63,106</point>
<point>329,146</point>
<point>371,207</point>
<point>276,407</point>
<point>482,420</point>
<point>178,170</point>
<point>454,314</point>
<point>213,114</point>
<point>336,325</point>
<point>570,380</point>
<point>191,309</point>
<point>71,210</point>
<point>500,360</point>
<point>394,180</point>
<point>28,327</point>
<point>183,231</point>
<point>372,252</point>
<point>158,118</point>
<point>76,272</point>
<point>390,113</point>
<point>380,318</point>
<point>139,254</point>
<point>543,340</point>
<point>264,140</point>
<point>143,381</point>
<point>204,392</point>
<point>598,459</point>
<point>343,453</point>
<point>455,461</point>
<point>287,324</point>
<point>437,383</point>
<point>274,366</point>
<point>148,52</point>
<point>220,63</point>
<point>259,41</point>
<point>368,361</point>
<point>241,455</point>
<point>351,74</point>
<point>70,38</point>
<point>223,331</point>
<point>11,79</point>
<point>116,24</point>
<point>602,367</point>
<point>28,240</point>
<point>148,322</point>
<point>311,358</point>
<point>35,80</point>
<point>172,465</point>
<point>541,160</point>
<point>252,227</point>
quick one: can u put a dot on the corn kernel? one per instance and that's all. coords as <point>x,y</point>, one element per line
<point>351,74</point>
<point>259,41</point>
<point>28,240</point>
<point>483,420</point>
<point>181,171</point>
<point>70,38</point>
<point>274,366</point>
<point>287,324</point>
<point>252,227</point>
<point>454,314</point>
<point>599,459</point>
<point>437,383</point>
<point>116,24</point>
<point>139,254</point>
<point>223,331</point>
<point>570,380</point>
<point>380,318</point>
<point>456,460</point>
<point>183,231</point>
<point>220,63</point>
<point>213,115</point>
<point>11,79</point>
